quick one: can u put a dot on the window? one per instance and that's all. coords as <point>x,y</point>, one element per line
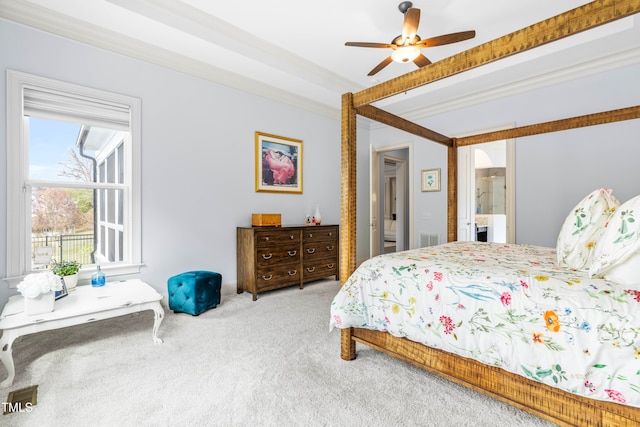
<point>73,182</point>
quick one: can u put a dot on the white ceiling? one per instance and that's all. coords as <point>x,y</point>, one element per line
<point>294,51</point>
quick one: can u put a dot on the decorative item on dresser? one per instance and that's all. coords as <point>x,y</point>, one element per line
<point>271,258</point>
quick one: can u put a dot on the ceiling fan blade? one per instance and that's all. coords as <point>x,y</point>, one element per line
<point>410,25</point>
<point>367,44</point>
<point>421,61</point>
<point>380,66</point>
<point>447,39</point>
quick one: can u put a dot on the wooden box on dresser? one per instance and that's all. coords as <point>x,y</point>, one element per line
<point>276,257</point>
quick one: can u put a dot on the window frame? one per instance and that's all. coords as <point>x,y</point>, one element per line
<point>18,227</point>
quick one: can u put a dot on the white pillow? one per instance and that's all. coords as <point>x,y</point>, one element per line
<point>617,254</point>
<point>626,273</point>
<point>583,227</point>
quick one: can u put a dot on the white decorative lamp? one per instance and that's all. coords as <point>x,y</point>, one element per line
<point>405,53</point>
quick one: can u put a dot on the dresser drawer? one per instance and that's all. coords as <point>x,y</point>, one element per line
<point>320,249</point>
<point>315,234</point>
<point>276,237</point>
<point>277,275</point>
<point>319,269</point>
<point>272,255</point>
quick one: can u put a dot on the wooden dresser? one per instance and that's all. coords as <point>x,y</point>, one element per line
<point>276,257</point>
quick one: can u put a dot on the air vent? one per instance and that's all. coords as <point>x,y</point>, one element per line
<point>429,239</point>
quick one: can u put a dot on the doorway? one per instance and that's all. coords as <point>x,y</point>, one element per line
<point>486,188</point>
<point>391,219</point>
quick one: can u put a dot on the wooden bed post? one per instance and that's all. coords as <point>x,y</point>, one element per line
<point>452,192</point>
<point>348,210</point>
<point>348,203</point>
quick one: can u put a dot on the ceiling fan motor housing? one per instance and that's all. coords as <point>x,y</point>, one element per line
<point>404,6</point>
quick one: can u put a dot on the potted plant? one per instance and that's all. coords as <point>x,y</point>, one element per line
<point>68,270</point>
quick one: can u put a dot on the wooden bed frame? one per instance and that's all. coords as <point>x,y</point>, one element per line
<point>549,403</point>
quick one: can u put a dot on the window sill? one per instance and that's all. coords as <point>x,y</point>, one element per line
<point>85,273</point>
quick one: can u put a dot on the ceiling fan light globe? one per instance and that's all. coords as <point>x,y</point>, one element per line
<point>405,54</point>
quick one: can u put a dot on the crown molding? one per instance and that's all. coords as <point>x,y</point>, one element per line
<point>43,19</point>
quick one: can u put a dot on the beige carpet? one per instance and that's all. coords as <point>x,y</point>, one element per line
<point>272,362</point>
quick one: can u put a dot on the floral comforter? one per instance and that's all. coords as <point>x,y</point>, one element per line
<point>509,306</point>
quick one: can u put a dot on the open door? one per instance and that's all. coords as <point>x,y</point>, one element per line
<point>466,200</point>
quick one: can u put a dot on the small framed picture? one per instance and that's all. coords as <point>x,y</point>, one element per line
<point>431,180</point>
<point>62,292</point>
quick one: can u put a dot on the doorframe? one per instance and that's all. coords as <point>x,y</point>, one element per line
<point>376,154</point>
<point>510,181</point>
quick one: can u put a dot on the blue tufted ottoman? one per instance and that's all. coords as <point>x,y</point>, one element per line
<point>194,291</point>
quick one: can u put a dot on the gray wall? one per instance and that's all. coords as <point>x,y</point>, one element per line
<point>554,171</point>
<point>198,160</point>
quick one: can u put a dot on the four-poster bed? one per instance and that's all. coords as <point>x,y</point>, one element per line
<point>550,403</point>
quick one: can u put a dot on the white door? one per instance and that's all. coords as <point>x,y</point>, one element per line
<point>374,212</point>
<point>466,194</point>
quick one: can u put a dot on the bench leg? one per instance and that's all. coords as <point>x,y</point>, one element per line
<point>6,356</point>
<point>159,315</point>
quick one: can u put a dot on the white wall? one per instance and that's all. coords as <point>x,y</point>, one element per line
<point>198,161</point>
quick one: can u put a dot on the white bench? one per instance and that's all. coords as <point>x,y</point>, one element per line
<point>85,304</point>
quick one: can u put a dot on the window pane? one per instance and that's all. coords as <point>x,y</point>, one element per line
<point>101,204</point>
<point>111,168</point>
<point>120,207</point>
<point>53,154</point>
<point>111,206</point>
<point>121,164</point>
<point>112,245</point>
<point>103,239</point>
<point>120,246</point>
<point>62,220</point>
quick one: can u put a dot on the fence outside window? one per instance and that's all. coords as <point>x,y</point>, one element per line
<point>66,247</point>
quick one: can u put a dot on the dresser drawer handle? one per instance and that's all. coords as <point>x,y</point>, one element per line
<point>267,278</point>
<point>330,248</point>
<point>311,269</point>
<point>267,256</point>
<point>292,237</point>
<point>292,253</point>
<point>330,266</point>
<point>330,234</point>
<point>266,238</point>
<point>311,250</point>
<point>293,273</point>
<point>310,234</point>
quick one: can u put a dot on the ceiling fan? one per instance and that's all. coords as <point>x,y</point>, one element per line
<point>406,47</point>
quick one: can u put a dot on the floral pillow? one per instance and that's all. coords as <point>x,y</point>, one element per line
<point>617,255</point>
<point>583,227</point>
